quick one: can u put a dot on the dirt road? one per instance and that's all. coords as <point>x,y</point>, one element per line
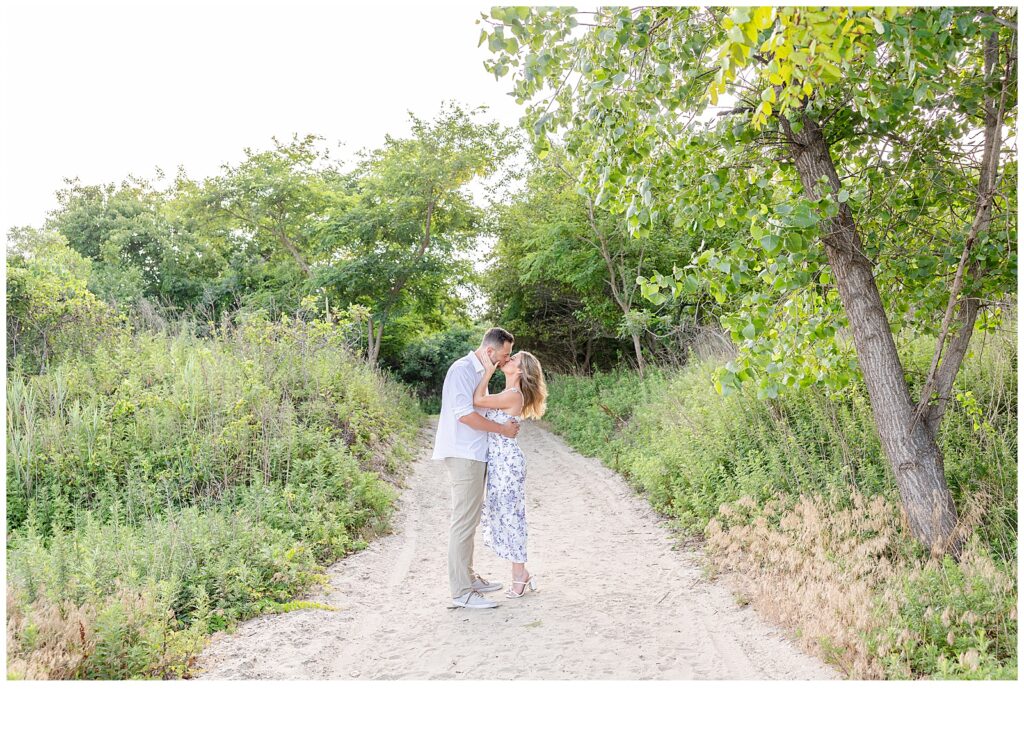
<point>616,600</point>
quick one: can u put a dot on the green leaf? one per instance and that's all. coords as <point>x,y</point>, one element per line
<point>771,244</point>
<point>803,216</point>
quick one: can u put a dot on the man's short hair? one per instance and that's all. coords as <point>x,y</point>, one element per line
<point>497,338</point>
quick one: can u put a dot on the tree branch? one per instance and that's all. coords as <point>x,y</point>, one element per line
<point>941,377</point>
<point>735,111</point>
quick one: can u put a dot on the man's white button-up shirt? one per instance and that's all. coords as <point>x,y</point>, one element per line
<point>455,439</point>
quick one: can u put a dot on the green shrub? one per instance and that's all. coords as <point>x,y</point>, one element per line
<point>167,486</point>
<point>690,450</point>
<point>422,364</point>
<point>155,421</point>
<point>590,412</point>
<point>954,621</point>
<point>51,313</point>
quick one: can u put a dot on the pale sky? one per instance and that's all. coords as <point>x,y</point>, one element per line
<point>104,90</point>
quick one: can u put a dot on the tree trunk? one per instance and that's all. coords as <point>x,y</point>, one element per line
<point>639,353</point>
<point>586,357</point>
<point>911,450</point>
<point>941,376</point>
<point>376,334</point>
<point>622,298</point>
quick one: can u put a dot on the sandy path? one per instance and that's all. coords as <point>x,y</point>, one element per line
<point>615,600</point>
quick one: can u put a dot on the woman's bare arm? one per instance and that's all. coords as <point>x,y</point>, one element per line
<point>506,400</point>
<point>479,422</point>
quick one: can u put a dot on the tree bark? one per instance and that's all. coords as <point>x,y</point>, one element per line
<point>639,353</point>
<point>910,448</point>
<point>376,333</point>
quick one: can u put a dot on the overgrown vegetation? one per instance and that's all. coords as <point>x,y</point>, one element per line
<point>794,497</point>
<point>191,434</point>
<point>857,176</point>
<point>166,486</point>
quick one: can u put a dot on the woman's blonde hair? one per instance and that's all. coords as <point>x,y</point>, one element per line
<point>533,386</point>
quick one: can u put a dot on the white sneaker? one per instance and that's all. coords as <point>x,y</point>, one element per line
<point>474,600</point>
<point>482,585</point>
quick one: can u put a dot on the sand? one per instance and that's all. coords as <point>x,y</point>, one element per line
<point>619,597</point>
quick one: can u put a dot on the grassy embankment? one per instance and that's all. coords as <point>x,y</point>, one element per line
<point>169,486</point>
<point>793,496</point>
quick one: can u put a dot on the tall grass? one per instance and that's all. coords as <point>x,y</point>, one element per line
<point>795,498</point>
<point>168,486</point>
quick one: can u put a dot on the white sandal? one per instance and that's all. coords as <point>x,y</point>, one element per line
<point>511,593</point>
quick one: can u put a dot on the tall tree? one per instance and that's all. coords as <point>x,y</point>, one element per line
<point>273,202</point>
<point>857,155</point>
<point>122,229</point>
<point>403,232</point>
<point>142,242</point>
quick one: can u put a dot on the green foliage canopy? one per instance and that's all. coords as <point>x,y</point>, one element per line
<point>51,314</point>
<point>634,92</point>
<point>401,234</point>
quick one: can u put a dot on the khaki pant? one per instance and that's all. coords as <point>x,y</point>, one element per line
<point>467,480</point>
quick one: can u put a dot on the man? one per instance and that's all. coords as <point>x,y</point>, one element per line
<point>462,442</point>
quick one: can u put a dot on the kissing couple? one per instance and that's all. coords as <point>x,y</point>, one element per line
<point>476,438</point>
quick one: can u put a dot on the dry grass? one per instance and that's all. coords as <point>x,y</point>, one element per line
<point>816,569</point>
<point>45,641</point>
<point>129,635</point>
<point>842,577</point>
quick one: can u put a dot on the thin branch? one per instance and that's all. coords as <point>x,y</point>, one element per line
<point>735,111</point>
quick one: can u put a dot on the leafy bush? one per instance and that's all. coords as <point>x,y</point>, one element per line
<point>424,363</point>
<point>155,421</point>
<point>691,450</point>
<point>51,313</point>
<point>953,621</point>
<point>592,412</point>
<point>167,486</point>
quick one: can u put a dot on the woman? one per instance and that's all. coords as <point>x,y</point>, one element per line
<point>504,511</point>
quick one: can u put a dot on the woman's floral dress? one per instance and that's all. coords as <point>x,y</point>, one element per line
<point>504,511</point>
